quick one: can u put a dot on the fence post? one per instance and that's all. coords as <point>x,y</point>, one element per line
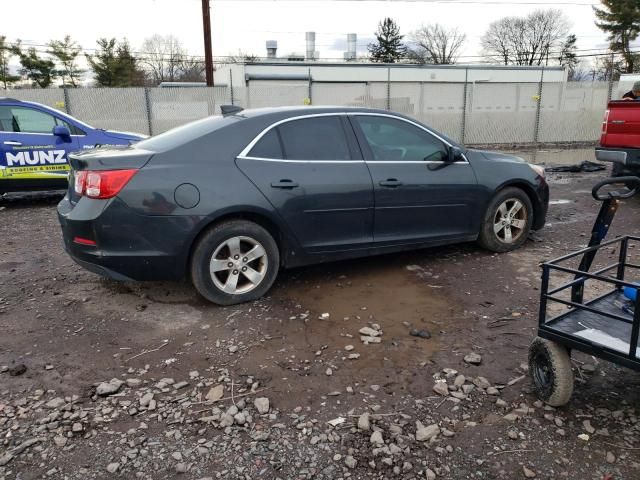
<point>65,94</point>
<point>536,129</point>
<point>231,84</point>
<point>147,101</point>
<point>464,105</point>
<point>309,87</point>
<point>388,88</point>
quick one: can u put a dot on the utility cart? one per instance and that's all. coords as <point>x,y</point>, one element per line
<point>598,312</point>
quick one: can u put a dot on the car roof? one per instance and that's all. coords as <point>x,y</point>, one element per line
<point>8,99</point>
<point>305,110</point>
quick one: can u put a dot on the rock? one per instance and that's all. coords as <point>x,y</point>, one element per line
<point>363,422</point>
<point>370,332</point>
<point>77,427</point>
<point>55,403</point>
<point>376,438</point>
<point>145,400</point>
<point>226,420</point>
<point>350,462</point>
<point>611,458</point>
<point>133,382</point>
<point>6,458</point>
<point>177,456</point>
<point>353,356</point>
<point>584,437</point>
<point>215,394</point>
<point>109,388</point>
<point>493,391</point>
<point>511,417</point>
<point>17,370</point>
<point>348,348</point>
<point>233,349</point>
<point>262,405</point>
<point>181,467</point>
<point>588,427</point>
<point>513,435</point>
<point>430,474</point>
<point>528,473</point>
<point>367,339</point>
<point>481,382</point>
<point>60,441</point>
<point>113,467</point>
<point>240,418</point>
<point>329,372</point>
<point>424,434</point>
<point>441,388</point>
<point>459,381</point>
<point>414,332</point>
<point>473,358</point>
<point>180,385</point>
<point>500,402</point>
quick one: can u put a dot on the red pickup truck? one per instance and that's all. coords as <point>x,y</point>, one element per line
<point>620,140</point>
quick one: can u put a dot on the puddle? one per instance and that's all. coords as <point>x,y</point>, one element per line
<point>381,291</point>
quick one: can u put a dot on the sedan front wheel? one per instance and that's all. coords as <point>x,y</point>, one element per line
<point>507,221</point>
<point>234,262</point>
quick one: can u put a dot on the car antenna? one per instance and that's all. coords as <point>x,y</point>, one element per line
<point>230,109</point>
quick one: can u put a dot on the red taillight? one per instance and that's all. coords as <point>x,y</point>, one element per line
<point>102,184</point>
<point>84,241</point>
<point>605,122</point>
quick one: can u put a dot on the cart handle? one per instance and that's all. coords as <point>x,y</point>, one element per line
<point>634,182</point>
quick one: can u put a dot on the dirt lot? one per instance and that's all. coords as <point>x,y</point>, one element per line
<point>337,407</point>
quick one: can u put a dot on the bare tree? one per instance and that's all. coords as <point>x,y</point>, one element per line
<point>191,70</point>
<point>437,44</point>
<point>532,40</point>
<point>162,56</point>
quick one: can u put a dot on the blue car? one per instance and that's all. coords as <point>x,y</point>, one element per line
<point>35,141</point>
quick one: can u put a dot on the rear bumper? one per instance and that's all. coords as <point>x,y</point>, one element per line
<point>627,157</point>
<point>128,246</point>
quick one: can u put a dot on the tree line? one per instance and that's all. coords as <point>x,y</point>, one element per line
<point>113,63</point>
<point>541,38</point>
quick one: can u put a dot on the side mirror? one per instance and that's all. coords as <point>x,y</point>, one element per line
<point>61,131</point>
<point>455,154</point>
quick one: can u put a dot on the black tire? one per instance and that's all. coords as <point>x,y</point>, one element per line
<point>550,369</point>
<point>498,241</point>
<point>215,240</point>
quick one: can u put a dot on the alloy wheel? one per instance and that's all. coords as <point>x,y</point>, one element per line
<point>510,220</point>
<point>238,265</point>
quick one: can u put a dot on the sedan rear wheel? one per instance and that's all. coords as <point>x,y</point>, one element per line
<point>507,221</point>
<point>234,262</point>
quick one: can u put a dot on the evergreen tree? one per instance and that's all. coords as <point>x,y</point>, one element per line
<point>567,57</point>
<point>41,70</point>
<point>113,65</point>
<point>66,52</point>
<point>620,19</point>
<point>388,47</point>
<point>5,55</point>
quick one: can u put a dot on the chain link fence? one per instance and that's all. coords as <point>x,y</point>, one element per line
<point>474,113</point>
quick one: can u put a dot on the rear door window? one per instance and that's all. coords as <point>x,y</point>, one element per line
<point>315,138</point>
<point>268,146</point>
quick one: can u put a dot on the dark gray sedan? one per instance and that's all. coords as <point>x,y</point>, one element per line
<point>228,200</point>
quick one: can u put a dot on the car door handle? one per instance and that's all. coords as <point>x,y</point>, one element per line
<point>391,183</point>
<point>11,142</point>
<point>284,183</point>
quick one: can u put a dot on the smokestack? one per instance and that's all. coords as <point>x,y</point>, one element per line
<point>272,48</point>
<point>311,45</point>
<point>352,40</point>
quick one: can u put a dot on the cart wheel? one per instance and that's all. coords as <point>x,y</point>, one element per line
<point>550,368</point>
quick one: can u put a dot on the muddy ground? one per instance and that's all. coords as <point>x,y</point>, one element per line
<point>72,330</point>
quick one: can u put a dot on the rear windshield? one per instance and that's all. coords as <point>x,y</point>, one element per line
<point>184,134</point>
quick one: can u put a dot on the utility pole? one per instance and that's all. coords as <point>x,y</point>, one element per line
<point>208,58</point>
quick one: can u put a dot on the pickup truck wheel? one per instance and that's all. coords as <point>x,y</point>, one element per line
<point>234,262</point>
<point>507,221</point>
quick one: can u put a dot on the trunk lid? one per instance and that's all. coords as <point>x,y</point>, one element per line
<point>621,125</point>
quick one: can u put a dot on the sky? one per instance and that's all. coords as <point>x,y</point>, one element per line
<point>246,24</point>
